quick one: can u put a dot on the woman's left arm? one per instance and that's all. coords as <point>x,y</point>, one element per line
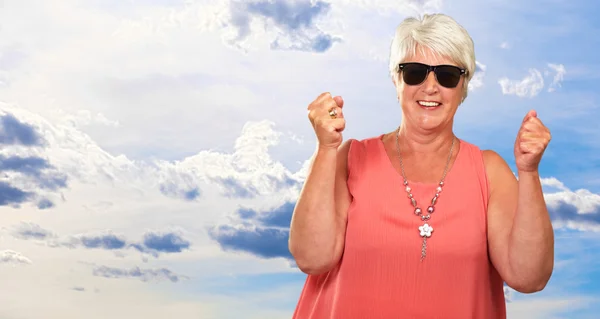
<point>520,233</point>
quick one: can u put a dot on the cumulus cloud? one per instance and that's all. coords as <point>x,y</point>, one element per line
<point>529,86</point>
<point>13,131</point>
<point>153,242</point>
<point>13,258</point>
<point>248,172</point>
<point>25,177</point>
<point>168,242</point>
<point>10,195</point>
<point>294,22</point>
<point>261,233</point>
<point>31,231</point>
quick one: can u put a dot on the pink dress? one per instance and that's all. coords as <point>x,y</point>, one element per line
<point>381,274</point>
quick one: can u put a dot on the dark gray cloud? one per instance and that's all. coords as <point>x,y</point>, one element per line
<point>34,171</point>
<point>174,190</point>
<point>294,19</point>
<point>163,242</point>
<point>138,273</point>
<point>13,131</point>
<point>35,168</point>
<point>563,212</point>
<point>290,15</point>
<point>107,241</point>
<point>45,203</point>
<point>238,189</point>
<point>278,217</point>
<point>234,189</point>
<point>260,241</point>
<point>152,242</point>
<point>31,231</point>
<point>31,166</point>
<point>10,195</point>
<point>265,233</point>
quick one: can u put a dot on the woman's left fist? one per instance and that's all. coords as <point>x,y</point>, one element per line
<point>531,142</point>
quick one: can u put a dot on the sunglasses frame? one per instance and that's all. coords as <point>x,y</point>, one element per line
<point>431,68</point>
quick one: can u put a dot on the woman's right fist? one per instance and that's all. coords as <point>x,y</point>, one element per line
<point>328,128</point>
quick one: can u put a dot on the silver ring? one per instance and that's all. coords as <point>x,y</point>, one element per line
<point>333,113</point>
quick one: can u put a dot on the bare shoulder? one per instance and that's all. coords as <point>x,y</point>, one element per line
<point>497,170</point>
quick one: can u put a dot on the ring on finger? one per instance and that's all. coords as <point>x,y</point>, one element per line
<point>333,112</point>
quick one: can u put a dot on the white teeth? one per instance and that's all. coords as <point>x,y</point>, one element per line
<point>429,103</point>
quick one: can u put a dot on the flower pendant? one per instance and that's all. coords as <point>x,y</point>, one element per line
<point>425,230</point>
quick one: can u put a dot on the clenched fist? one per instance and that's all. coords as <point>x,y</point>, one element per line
<point>325,115</point>
<point>531,142</point>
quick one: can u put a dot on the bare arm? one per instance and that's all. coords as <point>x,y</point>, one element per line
<point>521,238</point>
<point>318,225</point>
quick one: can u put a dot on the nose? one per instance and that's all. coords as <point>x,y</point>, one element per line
<point>430,85</point>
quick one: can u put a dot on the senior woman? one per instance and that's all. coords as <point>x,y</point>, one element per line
<point>418,223</point>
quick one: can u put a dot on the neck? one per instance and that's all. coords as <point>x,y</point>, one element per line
<point>418,141</point>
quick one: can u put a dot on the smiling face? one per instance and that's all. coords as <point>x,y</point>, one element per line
<point>428,106</point>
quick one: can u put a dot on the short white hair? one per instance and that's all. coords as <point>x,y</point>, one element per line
<point>439,33</point>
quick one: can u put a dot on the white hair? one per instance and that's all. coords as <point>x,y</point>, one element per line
<point>439,33</point>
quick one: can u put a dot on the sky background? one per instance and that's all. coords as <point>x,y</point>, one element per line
<point>151,152</point>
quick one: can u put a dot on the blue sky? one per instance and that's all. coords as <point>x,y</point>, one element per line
<point>151,152</point>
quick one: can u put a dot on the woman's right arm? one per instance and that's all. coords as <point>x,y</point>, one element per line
<point>318,226</point>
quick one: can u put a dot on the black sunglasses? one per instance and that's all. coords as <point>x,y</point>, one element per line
<point>447,75</point>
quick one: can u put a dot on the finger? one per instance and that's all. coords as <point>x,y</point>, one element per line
<point>337,111</point>
<point>532,147</point>
<point>542,137</point>
<point>337,125</point>
<point>534,124</point>
<point>339,101</point>
<point>531,113</point>
<point>319,100</point>
<point>324,96</point>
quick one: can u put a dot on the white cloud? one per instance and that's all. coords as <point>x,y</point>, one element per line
<point>583,200</point>
<point>477,80</point>
<point>13,258</point>
<point>505,45</point>
<point>559,75</point>
<point>529,86</point>
<point>553,182</point>
<point>533,84</point>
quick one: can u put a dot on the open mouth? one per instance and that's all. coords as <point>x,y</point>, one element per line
<point>429,104</point>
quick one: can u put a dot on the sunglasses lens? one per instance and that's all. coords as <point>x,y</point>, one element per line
<point>448,76</point>
<point>414,73</point>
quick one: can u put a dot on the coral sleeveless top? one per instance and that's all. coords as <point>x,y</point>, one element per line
<point>381,275</point>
